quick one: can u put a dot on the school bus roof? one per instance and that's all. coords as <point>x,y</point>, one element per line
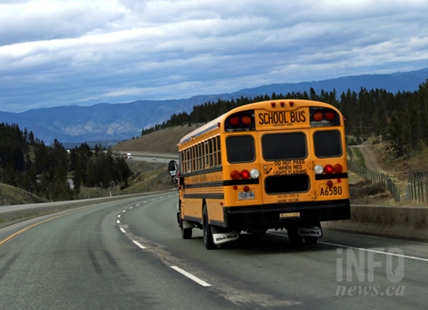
<point>201,130</point>
<point>214,123</point>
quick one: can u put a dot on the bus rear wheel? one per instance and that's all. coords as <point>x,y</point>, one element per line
<point>186,233</point>
<point>293,236</point>
<point>208,236</point>
<point>311,240</point>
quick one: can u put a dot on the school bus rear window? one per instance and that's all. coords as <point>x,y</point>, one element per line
<point>240,149</point>
<point>284,146</point>
<point>327,143</point>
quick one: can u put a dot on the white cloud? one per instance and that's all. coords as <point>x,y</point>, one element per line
<point>63,52</point>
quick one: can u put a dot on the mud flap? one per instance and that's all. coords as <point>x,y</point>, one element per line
<point>220,236</point>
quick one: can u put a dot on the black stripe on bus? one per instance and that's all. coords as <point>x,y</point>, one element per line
<point>222,183</point>
<point>203,171</point>
<point>204,196</point>
<point>331,176</point>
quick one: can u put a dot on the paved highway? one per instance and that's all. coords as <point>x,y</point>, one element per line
<point>150,157</point>
<point>128,254</point>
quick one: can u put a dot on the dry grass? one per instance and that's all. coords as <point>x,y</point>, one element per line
<point>10,195</point>
<point>162,142</point>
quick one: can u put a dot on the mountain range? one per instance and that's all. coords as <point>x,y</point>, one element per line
<point>110,123</point>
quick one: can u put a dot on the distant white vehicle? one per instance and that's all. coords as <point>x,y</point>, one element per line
<point>128,156</point>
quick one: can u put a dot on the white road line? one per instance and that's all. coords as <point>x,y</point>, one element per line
<point>190,276</point>
<point>123,211</point>
<point>118,215</point>
<point>376,251</point>
<point>367,250</point>
<point>122,230</point>
<point>139,245</point>
<point>118,221</point>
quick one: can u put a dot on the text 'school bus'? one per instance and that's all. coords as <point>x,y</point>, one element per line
<point>277,164</point>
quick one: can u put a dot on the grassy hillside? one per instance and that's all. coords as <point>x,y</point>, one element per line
<point>10,195</point>
<point>163,141</point>
<point>152,176</point>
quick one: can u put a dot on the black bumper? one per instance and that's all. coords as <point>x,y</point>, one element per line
<point>268,216</point>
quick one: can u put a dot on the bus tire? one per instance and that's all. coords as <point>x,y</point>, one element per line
<point>311,240</point>
<point>208,236</point>
<point>293,236</point>
<point>186,233</point>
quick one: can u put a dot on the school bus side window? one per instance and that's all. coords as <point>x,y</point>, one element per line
<point>217,148</point>
<point>182,161</point>
<point>240,149</point>
<point>188,168</point>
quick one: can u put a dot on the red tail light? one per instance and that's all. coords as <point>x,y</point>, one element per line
<point>245,174</point>
<point>328,169</point>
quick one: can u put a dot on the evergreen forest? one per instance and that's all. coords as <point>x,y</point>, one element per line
<point>52,172</point>
<point>400,119</point>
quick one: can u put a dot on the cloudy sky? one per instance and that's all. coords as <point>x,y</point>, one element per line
<point>76,52</point>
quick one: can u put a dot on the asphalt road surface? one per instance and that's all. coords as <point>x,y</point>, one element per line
<point>155,158</point>
<point>128,254</point>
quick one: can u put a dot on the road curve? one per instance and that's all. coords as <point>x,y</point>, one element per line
<point>128,254</point>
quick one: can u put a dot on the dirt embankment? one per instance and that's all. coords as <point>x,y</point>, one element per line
<point>370,157</point>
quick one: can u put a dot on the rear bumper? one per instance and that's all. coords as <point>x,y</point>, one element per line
<point>268,216</point>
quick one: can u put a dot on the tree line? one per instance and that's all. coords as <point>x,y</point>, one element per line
<point>53,172</point>
<point>400,118</point>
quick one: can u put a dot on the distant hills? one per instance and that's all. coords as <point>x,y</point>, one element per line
<point>110,123</point>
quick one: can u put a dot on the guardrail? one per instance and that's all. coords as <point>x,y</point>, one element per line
<point>397,222</point>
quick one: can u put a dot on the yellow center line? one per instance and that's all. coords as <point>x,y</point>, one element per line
<point>41,222</point>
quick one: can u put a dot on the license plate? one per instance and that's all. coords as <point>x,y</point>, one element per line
<point>291,214</point>
<point>245,195</point>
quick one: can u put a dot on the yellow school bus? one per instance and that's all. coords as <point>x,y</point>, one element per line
<point>278,164</point>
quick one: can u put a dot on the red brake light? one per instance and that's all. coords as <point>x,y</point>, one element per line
<point>245,174</point>
<point>328,169</point>
<point>234,175</point>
